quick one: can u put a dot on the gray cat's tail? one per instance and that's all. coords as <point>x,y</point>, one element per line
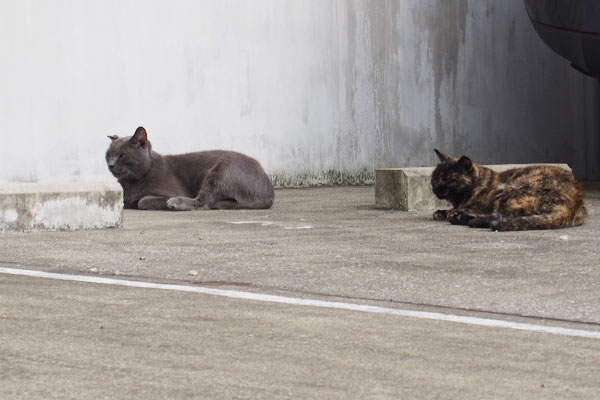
<point>230,204</point>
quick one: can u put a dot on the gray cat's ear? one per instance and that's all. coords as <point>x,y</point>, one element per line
<point>113,137</point>
<point>443,157</point>
<point>140,137</point>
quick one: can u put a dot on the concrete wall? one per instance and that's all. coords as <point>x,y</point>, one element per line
<point>316,90</point>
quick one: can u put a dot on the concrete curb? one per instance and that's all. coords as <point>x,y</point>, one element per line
<point>26,207</point>
<point>409,189</point>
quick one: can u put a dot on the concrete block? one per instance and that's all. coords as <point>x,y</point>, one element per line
<point>409,189</point>
<point>48,207</point>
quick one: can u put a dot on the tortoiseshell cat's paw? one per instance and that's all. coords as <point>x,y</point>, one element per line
<point>480,222</point>
<point>459,217</point>
<point>440,215</point>
<point>498,222</point>
<point>454,217</point>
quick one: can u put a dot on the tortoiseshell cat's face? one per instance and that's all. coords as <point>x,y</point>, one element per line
<point>129,157</point>
<point>453,179</point>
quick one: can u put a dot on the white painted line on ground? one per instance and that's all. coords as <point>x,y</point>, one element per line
<point>261,223</point>
<point>235,294</point>
<point>271,223</point>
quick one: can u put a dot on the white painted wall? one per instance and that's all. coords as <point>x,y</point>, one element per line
<point>305,86</point>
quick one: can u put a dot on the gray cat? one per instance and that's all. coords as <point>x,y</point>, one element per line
<point>203,180</point>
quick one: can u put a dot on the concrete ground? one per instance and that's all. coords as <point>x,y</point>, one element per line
<point>72,339</point>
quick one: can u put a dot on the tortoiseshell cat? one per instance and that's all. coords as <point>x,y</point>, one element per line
<point>203,180</point>
<point>535,197</point>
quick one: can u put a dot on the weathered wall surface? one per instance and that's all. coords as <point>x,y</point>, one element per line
<point>316,90</point>
<point>473,77</point>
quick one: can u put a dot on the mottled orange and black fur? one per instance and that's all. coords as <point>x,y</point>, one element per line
<point>535,197</point>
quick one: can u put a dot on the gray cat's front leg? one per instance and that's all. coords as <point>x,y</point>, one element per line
<point>152,203</point>
<point>181,203</point>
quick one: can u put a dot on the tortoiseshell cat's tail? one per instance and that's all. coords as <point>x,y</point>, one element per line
<point>560,217</point>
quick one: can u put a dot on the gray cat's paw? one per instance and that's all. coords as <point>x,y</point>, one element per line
<point>143,205</point>
<point>182,204</point>
<point>151,203</point>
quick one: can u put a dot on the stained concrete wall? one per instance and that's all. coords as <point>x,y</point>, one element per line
<point>316,90</point>
<point>473,77</point>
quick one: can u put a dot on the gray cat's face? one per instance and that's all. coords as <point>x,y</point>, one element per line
<point>129,158</point>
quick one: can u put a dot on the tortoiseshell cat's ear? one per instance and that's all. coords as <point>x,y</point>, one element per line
<point>466,163</point>
<point>443,157</point>
<point>140,137</point>
<point>113,137</point>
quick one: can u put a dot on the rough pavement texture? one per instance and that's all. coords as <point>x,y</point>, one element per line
<point>61,339</point>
